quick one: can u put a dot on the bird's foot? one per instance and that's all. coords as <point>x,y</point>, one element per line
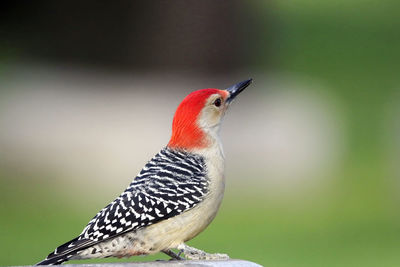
<point>197,254</point>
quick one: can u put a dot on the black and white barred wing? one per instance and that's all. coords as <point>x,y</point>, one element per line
<point>171,183</point>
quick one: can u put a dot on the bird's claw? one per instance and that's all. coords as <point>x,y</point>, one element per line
<point>197,254</point>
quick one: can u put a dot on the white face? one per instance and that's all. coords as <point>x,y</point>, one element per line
<point>212,114</point>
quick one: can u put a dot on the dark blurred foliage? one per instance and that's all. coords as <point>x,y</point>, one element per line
<point>206,36</point>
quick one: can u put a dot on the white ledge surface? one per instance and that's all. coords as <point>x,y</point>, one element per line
<point>190,263</point>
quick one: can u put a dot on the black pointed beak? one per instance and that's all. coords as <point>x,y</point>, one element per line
<point>234,90</point>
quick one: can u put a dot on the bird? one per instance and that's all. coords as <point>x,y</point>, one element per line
<point>173,198</point>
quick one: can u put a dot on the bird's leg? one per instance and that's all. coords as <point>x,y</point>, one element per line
<point>180,252</point>
<point>197,254</point>
<point>173,255</point>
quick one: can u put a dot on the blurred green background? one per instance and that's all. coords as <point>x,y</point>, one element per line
<point>88,93</point>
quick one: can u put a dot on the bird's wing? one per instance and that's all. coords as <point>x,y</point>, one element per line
<point>171,183</point>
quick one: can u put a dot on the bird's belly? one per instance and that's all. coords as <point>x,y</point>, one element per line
<point>181,228</point>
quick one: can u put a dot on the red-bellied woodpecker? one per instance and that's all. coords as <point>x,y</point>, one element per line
<point>174,197</point>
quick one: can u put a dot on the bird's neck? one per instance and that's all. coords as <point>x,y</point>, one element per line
<point>214,140</point>
<point>198,141</point>
<point>187,135</point>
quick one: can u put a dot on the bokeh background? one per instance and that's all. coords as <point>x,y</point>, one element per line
<point>88,91</point>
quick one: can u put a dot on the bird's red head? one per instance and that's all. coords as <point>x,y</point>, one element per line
<point>198,116</point>
<point>186,129</point>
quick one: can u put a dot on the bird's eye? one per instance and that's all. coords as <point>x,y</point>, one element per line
<point>217,102</point>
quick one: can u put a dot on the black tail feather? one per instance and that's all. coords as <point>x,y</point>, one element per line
<point>66,251</point>
<point>57,260</point>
